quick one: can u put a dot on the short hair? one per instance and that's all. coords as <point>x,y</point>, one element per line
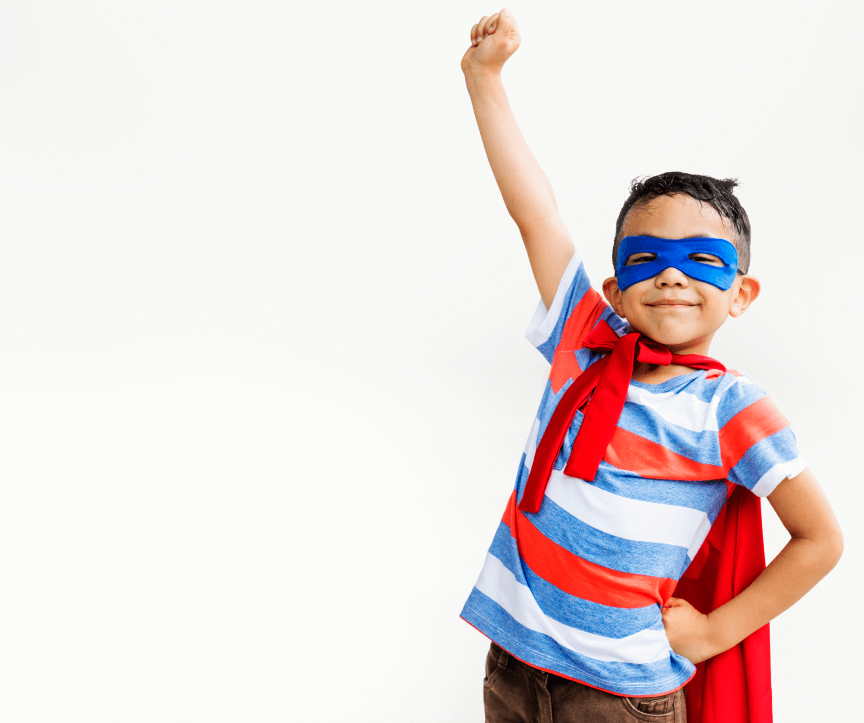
<point>716,193</point>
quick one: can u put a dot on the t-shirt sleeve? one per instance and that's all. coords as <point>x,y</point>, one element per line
<point>757,445</point>
<point>575,310</point>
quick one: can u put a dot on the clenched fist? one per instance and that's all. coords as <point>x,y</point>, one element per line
<point>688,630</point>
<point>494,39</point>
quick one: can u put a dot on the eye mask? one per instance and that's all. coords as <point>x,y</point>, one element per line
<point>676,254</point>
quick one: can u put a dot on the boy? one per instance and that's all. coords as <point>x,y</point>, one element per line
<point>643,470</point>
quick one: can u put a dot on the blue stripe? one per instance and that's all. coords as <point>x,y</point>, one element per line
<point>618,323</point>
<point>568,609</point>
<point>678,383</point>
<point>737,397</point>
<point>542,651</point>
<point>505,549</point>
<point>551,400</point>
<point>762,456</point>
<point>569,439</point>
<point>708,496</point>
<point>547,349</point>
<point>612,552</point>
<point>544,415</point>
<point>586,357</point>
<point>703,447</point>
<point>521,479</point>
<point>707,389</point>
<point>733,394</point>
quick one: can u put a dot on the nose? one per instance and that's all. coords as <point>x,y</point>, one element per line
<point>671,277</point>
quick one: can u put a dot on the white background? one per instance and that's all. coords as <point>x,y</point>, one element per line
<point>263,381</point>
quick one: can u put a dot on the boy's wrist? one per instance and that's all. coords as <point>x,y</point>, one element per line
<point>478,76</point>
<point>719,638</point>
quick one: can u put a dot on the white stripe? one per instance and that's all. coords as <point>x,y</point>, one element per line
<point>681,408</point>
<point>543,321</point>
<point>636,520</point>
<point>774,476</point>
<point>531,444</point>
<point>701,534</point>
<point>498,583</point>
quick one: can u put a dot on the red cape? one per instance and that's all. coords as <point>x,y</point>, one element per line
<point>734,686</point>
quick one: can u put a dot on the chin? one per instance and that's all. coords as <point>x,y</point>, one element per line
<point>672,339</point>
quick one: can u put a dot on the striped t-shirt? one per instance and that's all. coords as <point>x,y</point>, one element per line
<point>576,588</point>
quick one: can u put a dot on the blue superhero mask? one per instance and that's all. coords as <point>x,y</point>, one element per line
<point>676,253</point>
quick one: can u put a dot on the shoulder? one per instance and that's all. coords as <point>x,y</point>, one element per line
<point>734,393</point>
<point>747,418</point>
<point>757,444</point>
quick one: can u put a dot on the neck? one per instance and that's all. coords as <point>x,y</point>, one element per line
<point>657,374</point>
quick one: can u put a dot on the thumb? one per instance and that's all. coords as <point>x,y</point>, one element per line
<point>504,22</point>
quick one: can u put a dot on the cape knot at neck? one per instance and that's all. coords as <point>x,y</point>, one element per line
<point>603,338</point>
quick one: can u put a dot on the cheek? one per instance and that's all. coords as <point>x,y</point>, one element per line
<point>714,299</point>
<point>629,306</point>
<point>719,304</point>
<point>631,298</point>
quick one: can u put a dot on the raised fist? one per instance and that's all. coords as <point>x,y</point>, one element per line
<point>494,39</point>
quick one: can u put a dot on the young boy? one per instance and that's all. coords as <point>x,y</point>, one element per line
<point>655,480</point>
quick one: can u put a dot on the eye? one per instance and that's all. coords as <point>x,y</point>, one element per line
<point>640,258</point>
<point>706,259</point>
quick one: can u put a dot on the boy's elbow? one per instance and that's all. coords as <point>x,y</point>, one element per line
<point>832,549</point>
<point>837,546</point>
<point>836,541</point>
<point>826,549</point>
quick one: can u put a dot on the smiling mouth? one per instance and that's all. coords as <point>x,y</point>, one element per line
<point>674,303</point>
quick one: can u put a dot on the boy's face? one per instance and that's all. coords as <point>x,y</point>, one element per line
<point>672,308</point>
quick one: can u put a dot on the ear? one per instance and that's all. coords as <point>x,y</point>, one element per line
<point>748,289</point>
<point>614,295</point>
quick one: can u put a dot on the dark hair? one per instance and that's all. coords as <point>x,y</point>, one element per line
<point>716,193</point>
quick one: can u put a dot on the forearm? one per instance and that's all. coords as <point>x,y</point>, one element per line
<point>789,576</point>
<point>527,193</point>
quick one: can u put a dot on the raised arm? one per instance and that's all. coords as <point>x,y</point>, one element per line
<point>527,192</point>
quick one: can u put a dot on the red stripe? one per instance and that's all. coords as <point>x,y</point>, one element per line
<point>582,319</point>
<point>750,426</point>
<point>578,577</point>
<point>631,452</point>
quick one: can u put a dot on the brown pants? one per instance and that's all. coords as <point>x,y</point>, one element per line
<point>514,692</point>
